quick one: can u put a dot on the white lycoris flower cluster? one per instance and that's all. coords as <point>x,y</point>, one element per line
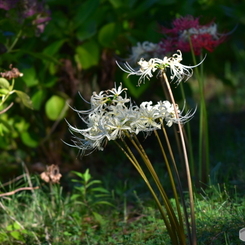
<point>112,116</point>
<point>178,71</point>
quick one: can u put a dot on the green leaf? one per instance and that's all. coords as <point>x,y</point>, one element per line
<point>17,235</point>
<point>87,55</point>
<point>103,203</point>
<point>16,226</point>
<point>100,189</point>
<point>54,47</point>
<point>78,174</point>
<point>55,107</point>
<point>98,218</point>
<point>42,56</point>
<point>30,77</point>
<point>144,6</point>
<point>85,11</point>
<point>38,98</point>
<point>28,140</point>
<point>108,34</point>
<point>4,83</point>
<point>3,91</point>
<point>3,237</point>
<point>25,99</point>
<point>87,30</point>
<point>75,196</point>
<point>116,3</point>
<point>86,175</point>
<point>131,83</point>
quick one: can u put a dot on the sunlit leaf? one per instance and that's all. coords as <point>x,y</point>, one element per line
<point>25,99</point>
<point>54,47</point>
<point>30,77</point>
<point>87,55</point>
<point>98,218</point>
<point>54,107</point>
<point>28,140</point>
<point>38,98</point>
<point>4,83</point>
<point>108,34</point>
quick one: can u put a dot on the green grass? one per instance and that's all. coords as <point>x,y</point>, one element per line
<point>50,216</point>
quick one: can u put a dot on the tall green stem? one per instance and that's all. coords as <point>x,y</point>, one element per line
<point>204,162</point>
<point>189,138</point>
<point>189,181</point>
<point>148,164</point>
<point>133,160</point>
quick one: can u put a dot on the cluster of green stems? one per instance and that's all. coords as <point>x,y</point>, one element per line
<point>177,223</point>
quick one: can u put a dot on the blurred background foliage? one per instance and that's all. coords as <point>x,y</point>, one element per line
<point>75,51</point>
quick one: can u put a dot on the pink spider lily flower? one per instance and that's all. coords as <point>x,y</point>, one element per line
<point>187,32</point>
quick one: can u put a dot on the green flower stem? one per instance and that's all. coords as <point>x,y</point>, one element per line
<point>189,181</point>
<point>173,219</point>
<point>15,41</point>
<point>204,171</point>
<point>188,138</point>
<point>171,178</point>
<point>203,166</point>
<point>135,163</point>
<point>165,91</point>
<point>178,180</point>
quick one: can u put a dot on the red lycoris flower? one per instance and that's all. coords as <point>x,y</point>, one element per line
<point>187,32</point>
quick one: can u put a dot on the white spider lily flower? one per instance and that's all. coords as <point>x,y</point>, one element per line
<point>118,117</point>
<point>179,72</point>
<point>146,70</point>
<point>147,119</point>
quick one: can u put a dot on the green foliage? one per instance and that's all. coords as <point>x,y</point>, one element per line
<point>55,108</point>
<point>77,50</point>
<point>90,194</point>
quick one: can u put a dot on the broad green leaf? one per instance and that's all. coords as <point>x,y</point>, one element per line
<point>4,83</point>
<point>17,235</point>
<point>116,3</point>
<point>42,56</point>
<point>143,6</point>
<point>28,140</point>
<point>16,226</point>
<point>30,77</point>
<point>38,98</point>
<point>84,11</point>
<point>55,107</point>
<point>54,47</point>
<point>25,99</point>
<point>3,91</point>
<point>87,55</point>
<point>87,30</point>
<point>108,34</point>
<point>3,237</point>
